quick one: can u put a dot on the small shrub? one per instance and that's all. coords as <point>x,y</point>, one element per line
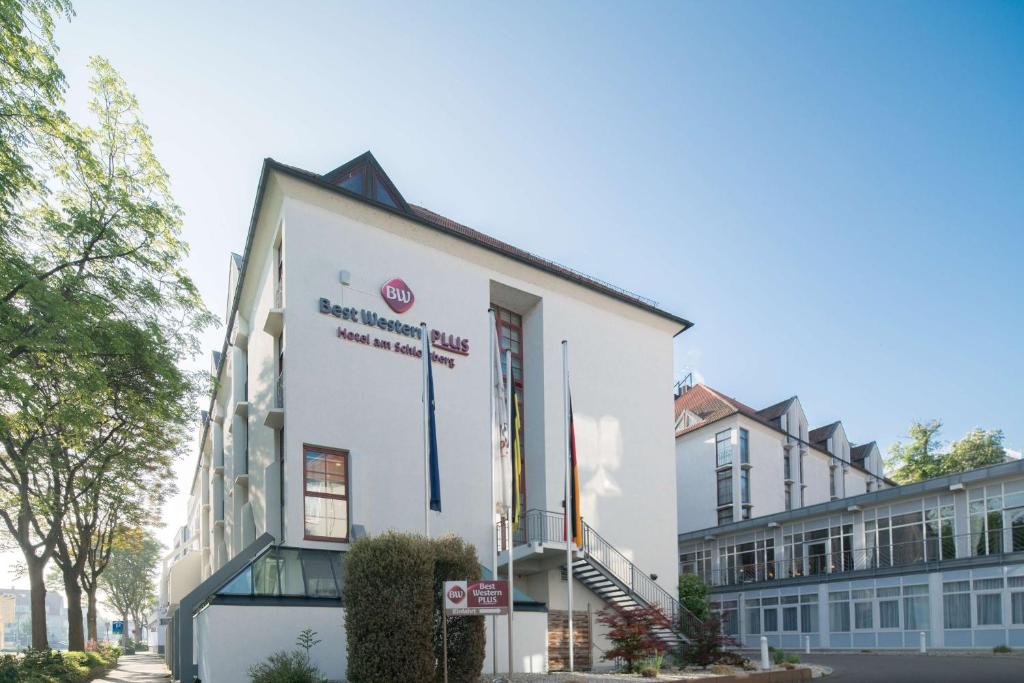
<point>792,658</point>
<point>650,668</point>
<point>1002,649</point>
<point>707,645</point>
<point>649,672</point>
<point>285,667</point>
<point>631,633</point>
<point>9,669</point>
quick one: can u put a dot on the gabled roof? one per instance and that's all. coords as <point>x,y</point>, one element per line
<point>773,412</point>
<point>821,434</point>
<point>335,181</point>
<point>858,453</point>
<point>710,406</point>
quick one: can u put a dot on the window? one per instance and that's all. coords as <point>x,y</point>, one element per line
<point>289,572</point>
<point>744,447</point>
<point>771,620</point>
<point>326,494</point>
<point>832,481</point>
<point>725,515</point>
<point>789,613</point>
<point>754,620</point>
<point>989,604</point>
<point>746,562</point>
<point>808,613</point>
<point>785,467</point>
<point>789,496</point>
<point>987,525</point>
<point>915,608</point>
<point>723,448</point>
<point>697,562</point>
<point>839,611</point>
<point>863,608</point>
<point>745,487</point>
<point>510,336</point>
<point>888,607</point>
<point>956,604</point>
<point>724,487</point>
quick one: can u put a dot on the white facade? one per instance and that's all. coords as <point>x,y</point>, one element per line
<point>356,389</point>
<point>734,462</point>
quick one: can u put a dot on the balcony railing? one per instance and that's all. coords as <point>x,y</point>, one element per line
<point>541,526</point>
<point>922,552</point>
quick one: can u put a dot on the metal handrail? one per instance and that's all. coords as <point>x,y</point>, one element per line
<point>924,551</point>
<point>540,526</point>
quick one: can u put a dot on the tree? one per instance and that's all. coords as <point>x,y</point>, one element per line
<point>925,456</point>
<point>31,92</point>
<point>979,448</point>
<point>130,576</point>
<point>693,595</point>
<point>632,633</point>
<point>919,459</point>
<point>96,313</point>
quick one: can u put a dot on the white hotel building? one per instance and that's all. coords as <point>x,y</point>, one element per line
<point>314,434</point>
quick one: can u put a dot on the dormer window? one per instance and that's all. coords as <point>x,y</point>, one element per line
<point>363,175</point>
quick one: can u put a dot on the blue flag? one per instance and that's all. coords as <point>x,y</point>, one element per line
<point>435,473</point>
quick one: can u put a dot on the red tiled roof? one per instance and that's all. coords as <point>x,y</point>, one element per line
<point>710,405</point>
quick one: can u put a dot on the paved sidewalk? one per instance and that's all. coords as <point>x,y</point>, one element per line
<point>145,667</point>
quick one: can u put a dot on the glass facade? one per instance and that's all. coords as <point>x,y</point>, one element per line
<point>289,572</point>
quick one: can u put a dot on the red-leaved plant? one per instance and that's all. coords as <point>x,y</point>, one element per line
<point>631,632</point>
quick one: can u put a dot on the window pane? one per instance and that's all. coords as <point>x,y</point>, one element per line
<point>240,585</point>
<point>956,608</point>
<point>808,618</point>
<point>326,517</point>
<point>839,616</point>
<point>725,487</point>
<point>318,574</point>
<point>771,620</point>
<point>754,621</point>
<point>789,618</point>
<point>862,615</point>
<point>889,614</point>
<point>1017,604</point>
<point>990,609</point>
<point>915,613</point>
<point>723,448</point>
<point>354,181</point>
<point>291,572</point>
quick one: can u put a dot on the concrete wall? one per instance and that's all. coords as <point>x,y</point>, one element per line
<point>229,639</point>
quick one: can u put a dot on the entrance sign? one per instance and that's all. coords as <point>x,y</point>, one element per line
<point>117,627</point>
<point>469,598</point>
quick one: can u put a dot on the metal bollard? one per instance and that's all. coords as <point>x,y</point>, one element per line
<point>765,663</point>
<point>924,641</point>
<point>807,645</point>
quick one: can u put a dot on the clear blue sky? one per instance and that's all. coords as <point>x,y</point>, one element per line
<point>833,192</point>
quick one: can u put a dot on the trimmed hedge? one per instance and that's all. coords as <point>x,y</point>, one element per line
<point>51,666</point>
<point>393,610</point>
<point>389,609</point>
<point>454,559</point>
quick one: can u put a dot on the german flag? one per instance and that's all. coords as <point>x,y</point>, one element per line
<point>517,458</point>
<point>574,486</point>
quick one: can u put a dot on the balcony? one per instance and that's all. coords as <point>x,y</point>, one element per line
<point>275,316</point>
<point>275,416</point>
<point>922,554</point>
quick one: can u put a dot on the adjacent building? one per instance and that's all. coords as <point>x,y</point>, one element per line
<point>734,462</point>
<point>313,436</point>
<point>941,559</point>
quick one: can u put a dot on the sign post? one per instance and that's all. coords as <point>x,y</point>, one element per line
<point>472,598</point>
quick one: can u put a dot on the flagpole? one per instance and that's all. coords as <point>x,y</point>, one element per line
<point>510,512</point>
<point>568,500</point>
<point>426,433</point>
<point>490,514</point>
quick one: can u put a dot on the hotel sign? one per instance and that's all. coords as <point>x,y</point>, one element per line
<point>397,295</point>
<point>468,598</point>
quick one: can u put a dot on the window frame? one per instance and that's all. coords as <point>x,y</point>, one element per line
<point>306,447</point>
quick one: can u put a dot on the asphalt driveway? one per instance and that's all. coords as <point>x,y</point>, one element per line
<point>915,668</point>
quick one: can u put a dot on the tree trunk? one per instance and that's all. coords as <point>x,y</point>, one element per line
<point>124,631</point>
<point>91,615</point>
<point>37,592</point>
<point>76,636</point>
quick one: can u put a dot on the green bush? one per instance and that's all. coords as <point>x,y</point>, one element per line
<point>1002,649</point>
<point>9,669</point>
<point>454,559</point>
<point>49,666</point>
<point>110,652</point>
<point>693,595</point>
<point>389,609</point>
<point>285,667</point>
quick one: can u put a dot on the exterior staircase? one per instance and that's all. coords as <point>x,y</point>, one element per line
<point>609,574</point>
